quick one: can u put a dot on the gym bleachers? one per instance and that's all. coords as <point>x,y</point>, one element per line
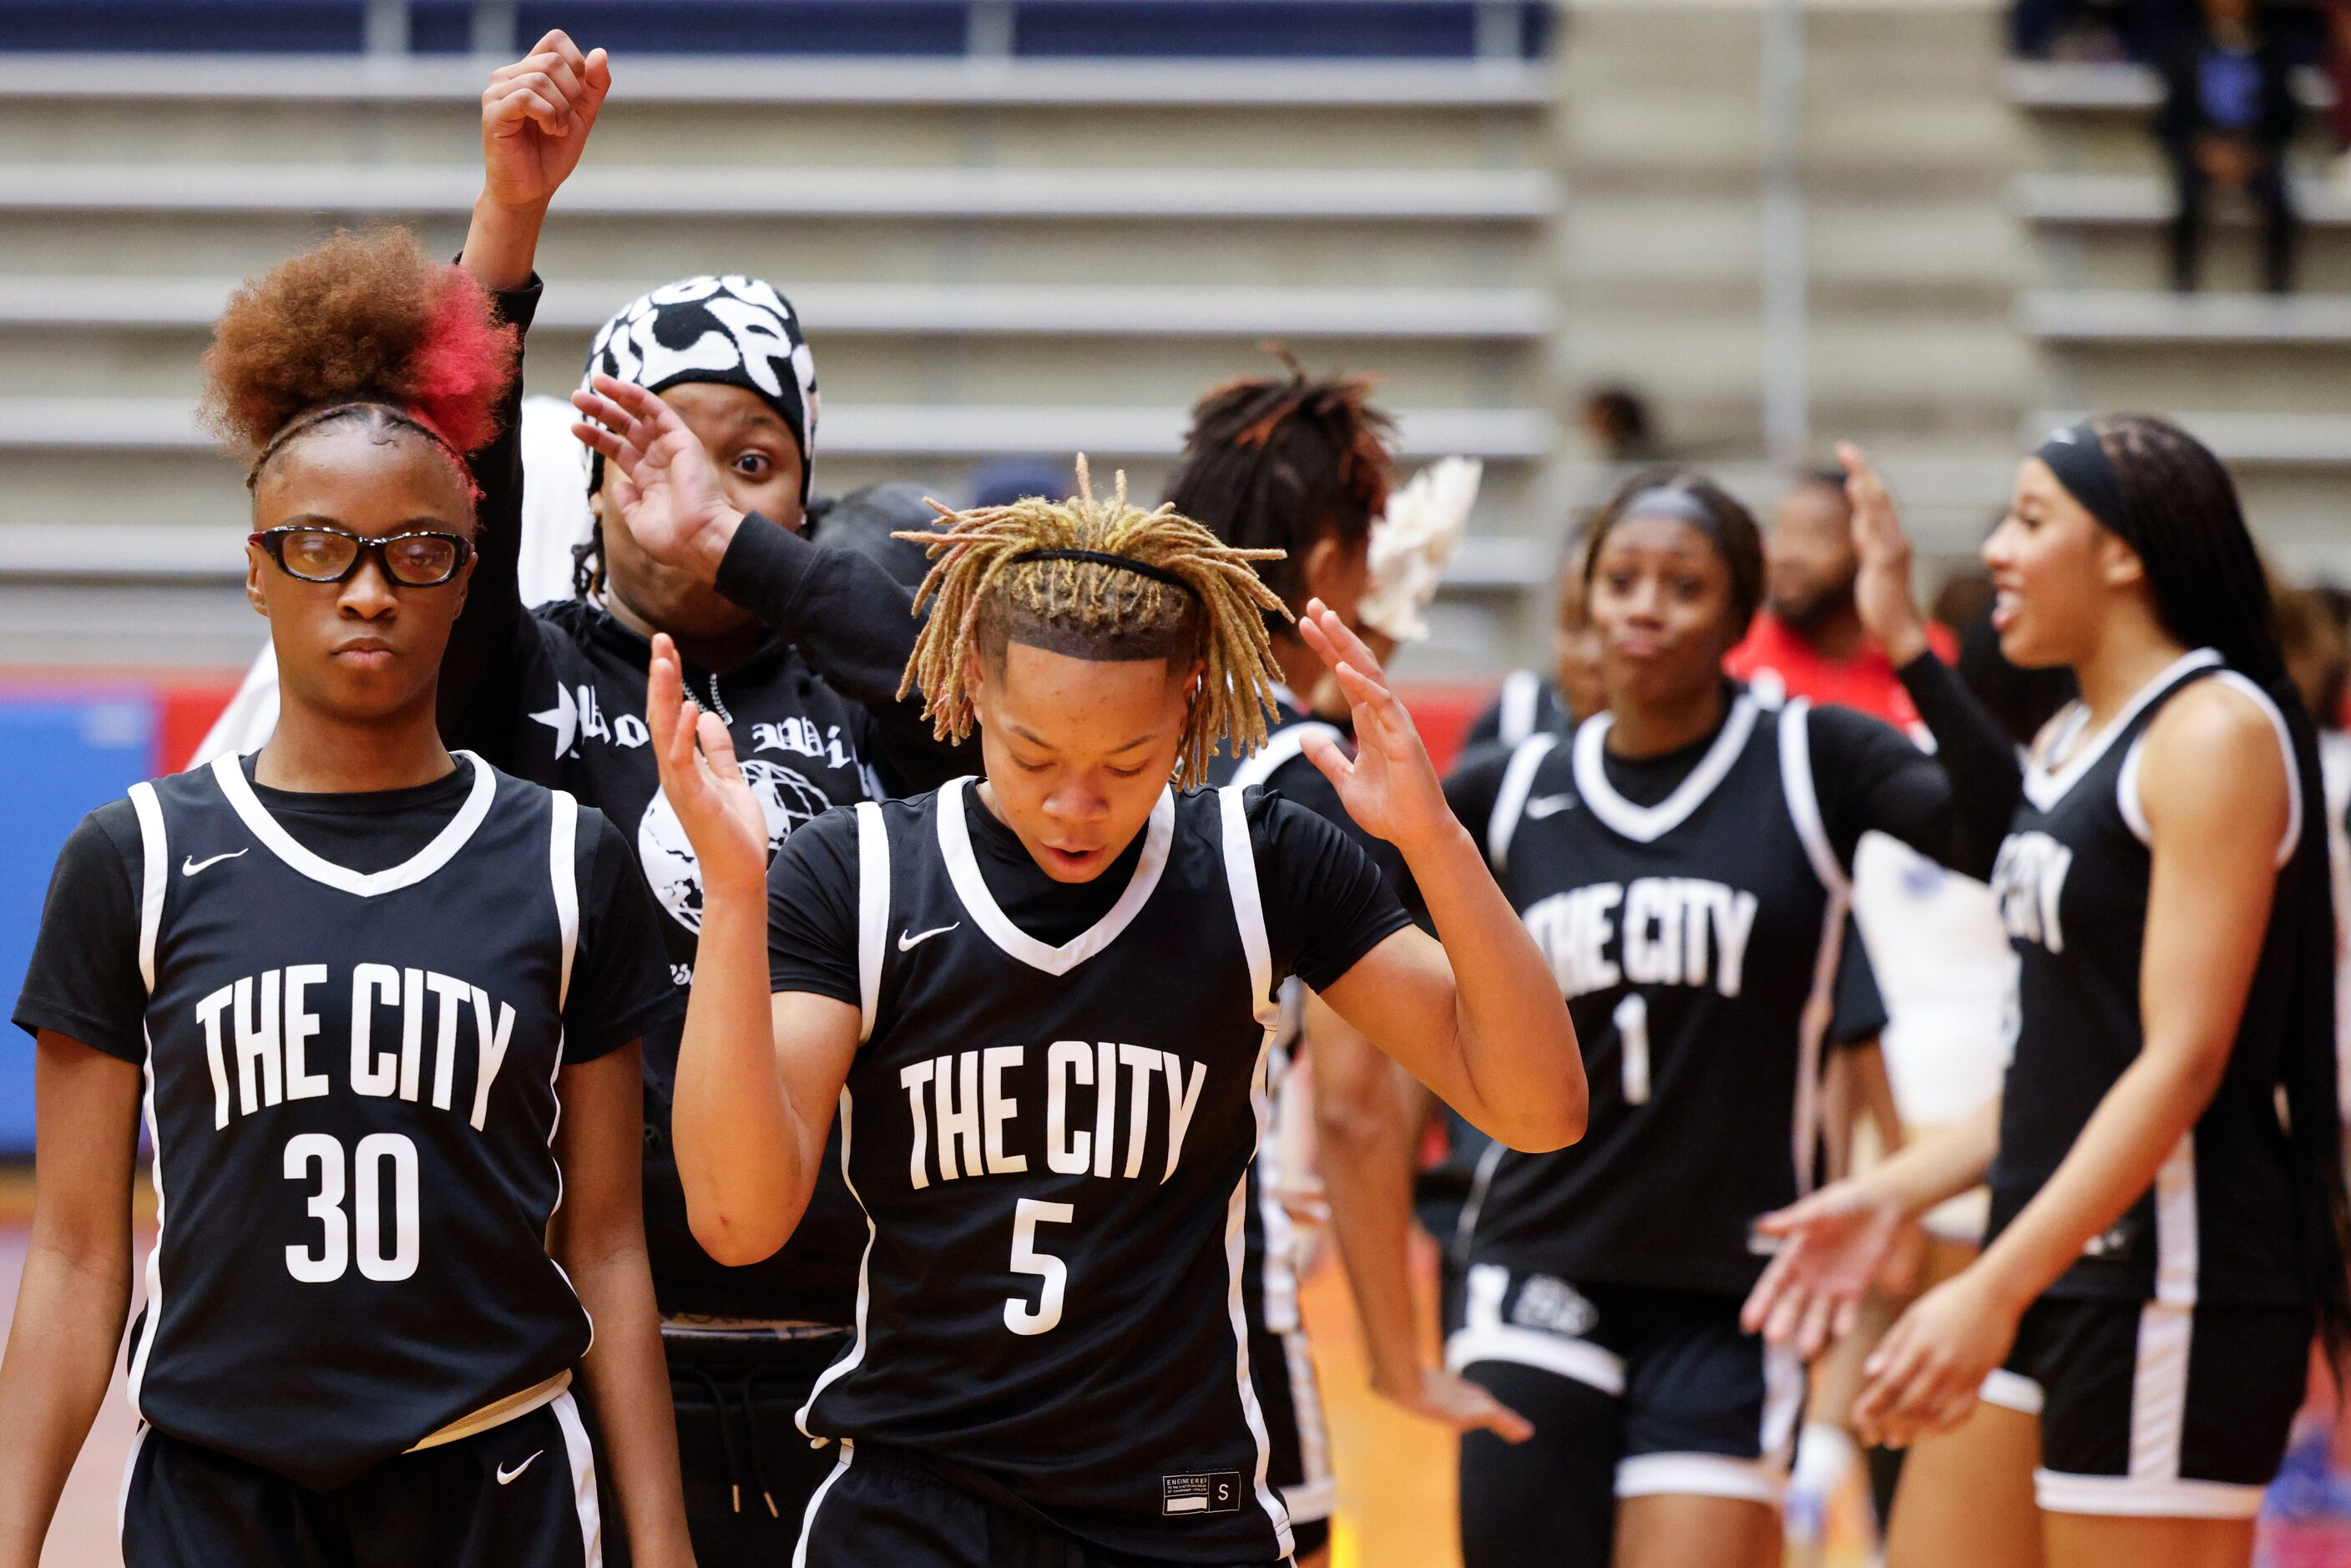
<point>1000,244</point>
<point>2262,380</point>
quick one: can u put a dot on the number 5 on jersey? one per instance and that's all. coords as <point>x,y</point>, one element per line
<point>1019,1316</point>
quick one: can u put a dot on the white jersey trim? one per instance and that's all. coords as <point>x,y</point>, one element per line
<point>1317,1492</point>
<point>1511,798</point>
<point>816,1500</point>
<point>1796,782</point>
<point>1279,747</point>
<point>872,911</point>
<point>2134,810</point>
<point>2013,1390</point>
<point>1805,800</point>
<point>2127,1497</point>
<point>1521,694</point>
<point>971,888</point>
<point>1647,824</point>
<point>1700,1475</point>
<point>582,1457</point>
<point>154,875</point>
<point>1484,1336</point>
<point>1578,1360</point>
<point>122,1499</point>
<point>2045,786</point>
<point>851,1358</point>
<point>563,866</point>
<point>1248,918</point>
<point>2177,1256</point>
<point>229,770</point>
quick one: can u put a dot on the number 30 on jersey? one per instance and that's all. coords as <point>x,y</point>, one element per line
<point>317,1157</point>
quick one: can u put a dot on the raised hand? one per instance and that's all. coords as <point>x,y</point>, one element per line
<point>703,780</point>
<point>535,116</point>
<point>667,491</point>
<point>1389,786</point>
<point>1833,1247</point>
<point>1882,590</point>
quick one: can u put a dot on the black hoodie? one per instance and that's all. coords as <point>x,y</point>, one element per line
<point>557,696</point>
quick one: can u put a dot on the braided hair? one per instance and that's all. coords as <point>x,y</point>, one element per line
<point>1173,592</point>
<point>364,329</point>
<point>1281,462</point>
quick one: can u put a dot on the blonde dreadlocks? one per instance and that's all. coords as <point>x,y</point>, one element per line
<point>1104,580</point>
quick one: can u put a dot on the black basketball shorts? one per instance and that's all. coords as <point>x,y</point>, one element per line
<point>2156,1410</point>
<point>522,1494</point>
<point>748,1471</point>
<point>880,1506</point>
<point>1297,1466</point>
<point>1697,1404</point>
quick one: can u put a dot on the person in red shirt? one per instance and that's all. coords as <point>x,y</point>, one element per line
<point>1808,642</point>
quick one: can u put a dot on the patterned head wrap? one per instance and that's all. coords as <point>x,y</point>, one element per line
<point>733,330</point>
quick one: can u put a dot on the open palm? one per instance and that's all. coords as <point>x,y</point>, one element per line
<point>1389,786</point>
<point>702,778</point>
<point>666,488</point>
<point>1833,1247</point>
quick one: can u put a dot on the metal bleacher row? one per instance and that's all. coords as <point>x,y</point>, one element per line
<point>998,248</point>
<point>2261,378</point>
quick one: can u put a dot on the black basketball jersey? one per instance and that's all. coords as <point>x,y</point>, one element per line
<point>1688,937</point>
<point>351,1088</point>
<point>2071,881</point>
<point>1528,703</point>
<point>1050,1144</point>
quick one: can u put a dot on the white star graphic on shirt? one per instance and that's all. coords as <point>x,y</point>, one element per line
<point>563,718</point>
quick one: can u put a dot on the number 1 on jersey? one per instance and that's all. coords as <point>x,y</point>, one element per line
<point>1018,1315</point>
<point>1633,1046</point>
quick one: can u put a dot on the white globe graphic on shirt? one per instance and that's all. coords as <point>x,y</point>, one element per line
<point>786,796</point>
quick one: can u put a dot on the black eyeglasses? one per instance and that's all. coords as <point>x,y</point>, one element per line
<point>315,554</point>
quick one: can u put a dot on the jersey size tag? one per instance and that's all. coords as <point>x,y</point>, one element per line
<point>1213,1491</point>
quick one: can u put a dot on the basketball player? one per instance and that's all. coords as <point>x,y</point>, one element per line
<point>801,648</point>
<point>385,1002</point>
<point>2165,1158</point>
<point>1042,1002</point>
<point>1683,862</point>
<point>1299,464</point>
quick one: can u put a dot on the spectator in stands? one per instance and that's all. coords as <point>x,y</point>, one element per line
<point>2228,117</point>
<point>2086,29</point>
<point>1615,420</point>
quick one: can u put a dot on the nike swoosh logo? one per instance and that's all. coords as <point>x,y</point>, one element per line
<point>190,865</point>
<point>506,1475</point>
<point>910,940</point>
<point>1550,806</point>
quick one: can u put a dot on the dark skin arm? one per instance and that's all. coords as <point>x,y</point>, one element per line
<point>76,1292</point>
<point>599,1238</point>
<point>535,116</point>
<point>1368,1113</point>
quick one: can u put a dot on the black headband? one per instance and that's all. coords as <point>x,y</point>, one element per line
<point>1116,562</point>
<point>2078,458</point>
<point>1673,501</point>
